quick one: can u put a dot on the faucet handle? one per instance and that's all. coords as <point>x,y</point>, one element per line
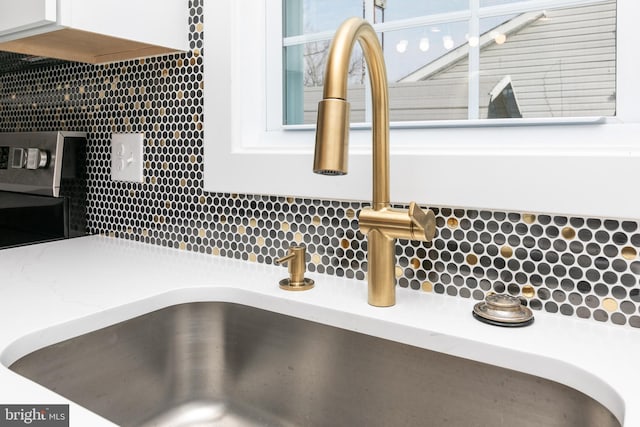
<point>425,220</point>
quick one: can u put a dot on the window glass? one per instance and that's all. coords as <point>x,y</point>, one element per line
<point>404,9</point>
<point>304,75</point>
<point>407,50</point>
<point>489,3</point>
<point>535,62</point>
<point>312,16</point>
<point>418,90</point>
<point>554,63</point>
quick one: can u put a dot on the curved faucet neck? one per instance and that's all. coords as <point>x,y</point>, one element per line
<point>335,86</point>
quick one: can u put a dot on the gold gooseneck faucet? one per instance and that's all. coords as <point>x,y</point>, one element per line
<point>380,223</point>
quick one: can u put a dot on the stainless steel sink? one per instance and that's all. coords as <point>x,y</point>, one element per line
<point>225,364</point>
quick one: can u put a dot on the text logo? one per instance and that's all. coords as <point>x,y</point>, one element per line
<point>34,415</point>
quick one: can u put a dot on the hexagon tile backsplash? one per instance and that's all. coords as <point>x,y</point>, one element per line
<point>574,266</point>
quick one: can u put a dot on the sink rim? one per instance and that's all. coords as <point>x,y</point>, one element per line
<point>363,322</point>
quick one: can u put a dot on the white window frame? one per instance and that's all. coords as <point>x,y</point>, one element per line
<point>586,167</point>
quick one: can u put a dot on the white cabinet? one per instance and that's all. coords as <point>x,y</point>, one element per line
<point>94,31</point>
<point>26,14</point>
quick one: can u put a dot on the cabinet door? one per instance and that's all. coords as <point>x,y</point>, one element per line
<point>26,14</point>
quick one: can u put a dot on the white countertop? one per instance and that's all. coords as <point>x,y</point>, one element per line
<point>46,288</point>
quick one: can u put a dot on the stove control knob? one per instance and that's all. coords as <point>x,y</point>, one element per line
<point>37,158</point>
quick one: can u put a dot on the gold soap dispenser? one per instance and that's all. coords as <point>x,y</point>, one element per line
<point>297,267</point>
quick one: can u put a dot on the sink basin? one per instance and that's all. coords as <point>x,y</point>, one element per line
<point>225,364</point>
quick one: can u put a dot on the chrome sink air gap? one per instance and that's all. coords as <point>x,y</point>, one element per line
<point>503,310</point>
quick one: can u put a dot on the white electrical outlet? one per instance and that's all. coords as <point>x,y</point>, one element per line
<point>126,157</point>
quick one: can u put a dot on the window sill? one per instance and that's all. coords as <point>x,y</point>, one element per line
<point>560,121</point>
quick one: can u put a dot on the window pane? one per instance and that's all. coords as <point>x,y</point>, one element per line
<point>553,63</point>
<point>543,63</point>
<point>488,3</point>
<point>403,9</point>
<point>311,16</point>
<point>408,50</point>
<point>304,81</point>
<point>422,83</point>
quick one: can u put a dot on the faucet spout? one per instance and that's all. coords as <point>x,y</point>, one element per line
<point>381,224</point>
<point>333,111</point>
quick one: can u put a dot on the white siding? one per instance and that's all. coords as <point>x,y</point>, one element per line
<point>560,66</point>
